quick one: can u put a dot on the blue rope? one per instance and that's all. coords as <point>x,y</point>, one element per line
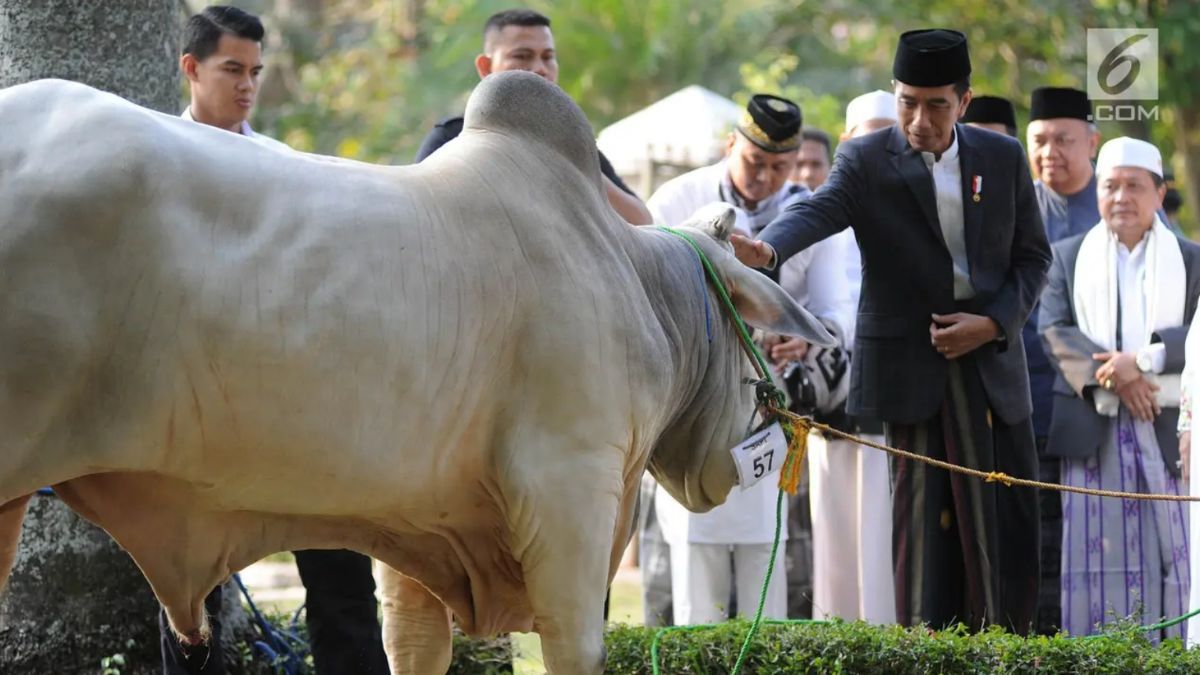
<point>704,294</point>
<point>275,645</point>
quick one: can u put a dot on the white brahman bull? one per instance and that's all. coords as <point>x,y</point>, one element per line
<point>216,350</point>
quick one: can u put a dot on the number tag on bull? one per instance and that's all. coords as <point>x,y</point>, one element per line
<point>760,455</point>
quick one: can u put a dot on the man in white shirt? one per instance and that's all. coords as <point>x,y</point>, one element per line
<point>705,548</point>
<point>222,61</point>
<point>850,490</point>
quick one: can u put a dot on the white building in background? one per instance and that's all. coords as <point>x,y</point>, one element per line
<point>681,132</point>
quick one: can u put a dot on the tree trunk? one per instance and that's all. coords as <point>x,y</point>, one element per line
<point>130,48</point>
<point>75,597</point>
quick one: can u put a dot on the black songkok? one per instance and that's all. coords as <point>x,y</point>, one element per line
<point>931,58</point>
<point>1049,103</point>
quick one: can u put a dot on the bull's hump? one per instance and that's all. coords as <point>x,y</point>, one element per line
<point>526,105</point>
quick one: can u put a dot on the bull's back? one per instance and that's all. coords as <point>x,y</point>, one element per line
<point>184,301</point>
<point>179,299</point>
<point>291,335</point>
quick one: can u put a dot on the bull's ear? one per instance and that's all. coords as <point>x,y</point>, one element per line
<point>760,301</point>
<point>763,304</point>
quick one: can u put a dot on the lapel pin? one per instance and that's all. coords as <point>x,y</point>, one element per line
<point>976,188</point>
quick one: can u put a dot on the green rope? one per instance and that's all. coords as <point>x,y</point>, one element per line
<point>743,332</point>
<point>1171,622</point>
<point>1153,627</point>
<point>762,595</point>
<point>774,393</point>
<point>758,620</point>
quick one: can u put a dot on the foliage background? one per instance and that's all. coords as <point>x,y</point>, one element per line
<point>368,78</point>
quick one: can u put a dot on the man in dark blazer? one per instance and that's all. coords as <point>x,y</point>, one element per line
<point>954,258</point>
<point>1113,319</point>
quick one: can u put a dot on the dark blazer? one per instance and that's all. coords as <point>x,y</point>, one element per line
<point>881,187</point>
<point>1076,429</point>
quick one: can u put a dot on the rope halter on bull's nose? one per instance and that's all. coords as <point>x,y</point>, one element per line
<point>771,400</point>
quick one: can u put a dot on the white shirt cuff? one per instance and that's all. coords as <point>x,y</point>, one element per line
<point>1157,355</point>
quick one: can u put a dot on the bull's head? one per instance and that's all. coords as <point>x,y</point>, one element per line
<point>692,460</point>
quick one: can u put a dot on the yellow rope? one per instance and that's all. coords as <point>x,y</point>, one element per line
<point>801,426</point>
<point>789,477</point>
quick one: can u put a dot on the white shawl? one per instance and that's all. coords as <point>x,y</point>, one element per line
<point>1095,296</point>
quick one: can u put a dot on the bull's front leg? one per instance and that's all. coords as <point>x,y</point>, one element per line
<point>566,567</point>
<point>416,626</point>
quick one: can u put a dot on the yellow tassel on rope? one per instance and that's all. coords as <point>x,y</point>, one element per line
<point>789,477</point>
<point>999,477</point>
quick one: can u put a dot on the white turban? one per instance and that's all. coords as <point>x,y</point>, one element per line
<point>877,105</point>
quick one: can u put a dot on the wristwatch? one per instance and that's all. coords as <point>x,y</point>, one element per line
<point>1145,362</point>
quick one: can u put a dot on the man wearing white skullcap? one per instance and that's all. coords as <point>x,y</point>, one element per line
<point>849,487</point>
<point>848,546</point>
<point>870,112</point>
<point>1113,319</point>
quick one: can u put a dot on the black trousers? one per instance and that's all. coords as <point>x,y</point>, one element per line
<point>342,620</point>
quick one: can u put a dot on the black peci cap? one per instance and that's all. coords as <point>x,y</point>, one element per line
<point>1059,102</point>
<point>990,110</point>
<point>932,57</point>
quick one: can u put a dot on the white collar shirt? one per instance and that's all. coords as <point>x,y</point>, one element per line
<point>947,186</point>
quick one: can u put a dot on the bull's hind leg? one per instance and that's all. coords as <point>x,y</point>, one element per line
<point>11,515</point>
<point>416,626</point>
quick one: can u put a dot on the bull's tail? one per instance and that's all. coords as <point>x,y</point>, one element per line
<point>11,515</point>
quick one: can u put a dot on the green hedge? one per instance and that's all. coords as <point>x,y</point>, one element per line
<point>850,648</point>
<point>847,648</point>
